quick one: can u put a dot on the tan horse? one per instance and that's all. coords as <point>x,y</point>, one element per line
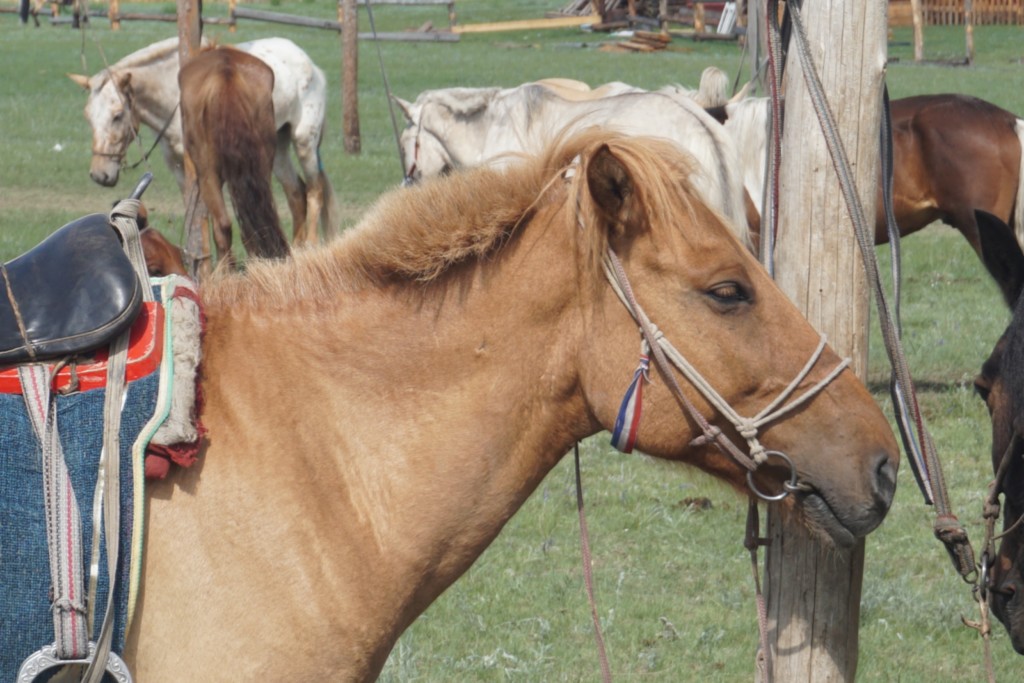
<point>380,407</point>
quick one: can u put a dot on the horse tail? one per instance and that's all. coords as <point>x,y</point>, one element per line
<point>331,223</point>
<point>246,146</point>
<point>1018,205</point>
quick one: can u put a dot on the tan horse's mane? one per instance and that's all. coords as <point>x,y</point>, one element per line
<point>419,235</point>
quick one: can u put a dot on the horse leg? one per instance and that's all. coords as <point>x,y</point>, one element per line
<point>211,192</point>
<point>321,205</point>
<point>294,188</point>
<point>966,222</point>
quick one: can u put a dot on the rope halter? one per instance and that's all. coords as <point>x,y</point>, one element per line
<point>654,344</point>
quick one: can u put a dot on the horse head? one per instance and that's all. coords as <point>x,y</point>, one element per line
<point>683,276</point>
<point>114,121</point>
<point>1001,385</point>
<point>424,154</point>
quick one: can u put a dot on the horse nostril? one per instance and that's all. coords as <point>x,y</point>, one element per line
<point>885,480</point>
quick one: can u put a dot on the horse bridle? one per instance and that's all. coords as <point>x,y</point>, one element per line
<point>135,127</point>
<point>992,511</point>
<point>666,356</point>
<point>408,178</point>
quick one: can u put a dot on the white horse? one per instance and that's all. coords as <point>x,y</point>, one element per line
<point>451,128</point>
<point>142,88</point>
<point>747,124</point>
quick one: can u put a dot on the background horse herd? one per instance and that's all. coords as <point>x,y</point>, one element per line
<point>519,119</point>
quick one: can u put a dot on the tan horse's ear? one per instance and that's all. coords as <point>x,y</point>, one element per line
<point>610,184</point>
<point>80,80</point>
<point>406,107</point>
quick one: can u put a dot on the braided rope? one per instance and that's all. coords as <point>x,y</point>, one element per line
<point>747,427</point>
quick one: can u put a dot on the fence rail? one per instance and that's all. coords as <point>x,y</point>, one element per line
<point>951,12</point>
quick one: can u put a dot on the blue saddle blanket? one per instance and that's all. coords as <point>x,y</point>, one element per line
<point>26,623</point>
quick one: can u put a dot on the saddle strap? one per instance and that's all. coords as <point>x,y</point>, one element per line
<point>107,496</point>
<point>63,520</point>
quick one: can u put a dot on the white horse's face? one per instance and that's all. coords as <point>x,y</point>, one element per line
<point>114,127</point>
<point>423,153</point>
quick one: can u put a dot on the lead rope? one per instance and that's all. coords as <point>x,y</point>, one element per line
<point>752,541</point>
<point>588,573</point>
<point>387,94</point>
<point>991,512</point>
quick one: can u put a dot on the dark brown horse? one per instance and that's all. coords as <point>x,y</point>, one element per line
<point>952,155</point>
<point>1001,385</point>
<point>227,114</point>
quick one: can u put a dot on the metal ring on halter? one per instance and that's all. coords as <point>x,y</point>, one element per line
<point>787,486</point>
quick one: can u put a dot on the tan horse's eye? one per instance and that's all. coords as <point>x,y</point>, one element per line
<point>729,293</point>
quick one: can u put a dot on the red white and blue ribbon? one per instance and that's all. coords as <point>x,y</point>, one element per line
<point>627,422</point>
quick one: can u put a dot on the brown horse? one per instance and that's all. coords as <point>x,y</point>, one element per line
<point>1001,386</point>
<point>952,155</point>
<point>378,408</point>
<point>227,115</point>
<point>162,257</point>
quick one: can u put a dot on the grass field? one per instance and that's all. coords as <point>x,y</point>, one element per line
<point>673,580</point>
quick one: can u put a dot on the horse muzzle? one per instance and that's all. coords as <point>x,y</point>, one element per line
<point>1006,587</point>
<point>842,521</point>
<point>105,177</point>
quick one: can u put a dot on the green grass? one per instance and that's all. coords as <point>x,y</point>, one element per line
<point>673,582</point>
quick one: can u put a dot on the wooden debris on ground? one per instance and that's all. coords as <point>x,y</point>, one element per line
<point>640,41</point>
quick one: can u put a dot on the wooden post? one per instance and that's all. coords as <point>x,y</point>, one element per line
<point>969,29</point>
<point>756,38</point>
<point>918,19</point>
<point>814,593</point>
<point>197,238</point>
<point>232,4</point>
<point>114,14</point>
<point>349,20</point>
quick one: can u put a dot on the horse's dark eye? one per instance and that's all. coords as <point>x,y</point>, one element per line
<point>982,389</point>
<point>729,293</point>
<point>119,117</point>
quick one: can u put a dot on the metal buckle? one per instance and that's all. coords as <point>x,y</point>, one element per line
<point>46,658</point>
<point>787,486</point>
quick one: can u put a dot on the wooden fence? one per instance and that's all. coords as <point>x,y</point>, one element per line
<point>951,12</point>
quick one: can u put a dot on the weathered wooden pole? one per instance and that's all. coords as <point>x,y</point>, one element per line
<point>969,29</point>
<point>350,76</point>
<point>918,19</point>
<point>813,592</point>
<point>197,238</point>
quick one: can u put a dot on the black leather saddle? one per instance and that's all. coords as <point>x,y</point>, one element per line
<point>73,293</point>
